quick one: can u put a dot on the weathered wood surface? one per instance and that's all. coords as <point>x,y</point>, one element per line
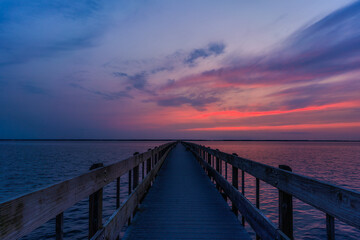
<point>235,183</point>
<point>95,212</point>
<point>95,207</point>
<point>286,210</point>
<point>59,226</point>
<point>339,202</point>
<point>330,227</point>
<point>257,220</point>
<point>113,226</point>
<point>184,204</point>
<point>21,215</point>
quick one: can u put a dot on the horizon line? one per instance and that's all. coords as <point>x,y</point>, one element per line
<point>172,139</point>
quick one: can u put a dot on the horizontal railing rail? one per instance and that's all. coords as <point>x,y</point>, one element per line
<point>335,201</point>
<point>118,219</point>
<point>23,214</point>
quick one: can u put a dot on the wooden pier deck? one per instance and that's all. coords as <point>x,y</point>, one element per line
<point>184,204</point>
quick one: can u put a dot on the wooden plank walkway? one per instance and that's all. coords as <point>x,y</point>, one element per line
<point>184,204</point>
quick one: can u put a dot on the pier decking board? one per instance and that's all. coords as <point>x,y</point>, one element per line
<point>184,204</point>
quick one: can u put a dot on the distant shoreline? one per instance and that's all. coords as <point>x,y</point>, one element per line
<point>157,140</point>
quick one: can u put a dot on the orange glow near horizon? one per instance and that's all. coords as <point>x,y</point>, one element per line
<point>237,114</point>
<point>189,115</point>
<point>282,127</point>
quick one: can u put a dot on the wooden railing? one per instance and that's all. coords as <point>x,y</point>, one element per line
<point>334,201</point>
<point>22,215</point>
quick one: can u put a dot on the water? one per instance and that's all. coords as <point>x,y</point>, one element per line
<point>27,166</point>
<point>333,162</point>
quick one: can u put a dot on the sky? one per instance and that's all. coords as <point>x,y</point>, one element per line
<point>200,69</point>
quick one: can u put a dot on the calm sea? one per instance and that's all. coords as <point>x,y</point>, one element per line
<point>28,166</point>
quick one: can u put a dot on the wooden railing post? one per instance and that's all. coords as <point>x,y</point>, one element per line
<point>286,210</point>
<point>220,166</point>
<point>136,177</point>
<point>218,170</point>
<point>225,165</point>
<point>330,227</point>
<point>257,199</point>
<point>257,193</point>
<point>95,207</point>
<point>129,181</point>
<point>243,192</point>
<point>136,174</point>
<point>142,171</point>
<point>148,165</point>
<point>235,183</point>
<point>60,226</point>
<point>117,192</point>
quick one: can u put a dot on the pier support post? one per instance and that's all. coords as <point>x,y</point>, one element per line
<point>60,226</point>
<point>257,199</point>
<point>330,227</point>
<point>148,165</point>
<point>136,177</point>
<point>142,171</point>
<point>218,170</point>
<point>235,183</point>
<point>129,181</point>
<point>243,193</point>
<point>136,174</point>
<point>286,209</point>
<point>95,207</point>
<point>225,165</point>
<point>117,192</point>
<point>209,162</point>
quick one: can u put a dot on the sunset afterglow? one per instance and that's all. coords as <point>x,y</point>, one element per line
<point>163,69</point>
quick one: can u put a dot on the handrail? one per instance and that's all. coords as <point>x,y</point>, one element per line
<point>23,214</point>
<point>118,219</point>
<point>335,201</point>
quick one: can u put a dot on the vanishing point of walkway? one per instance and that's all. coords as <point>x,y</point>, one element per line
<point>184,204</point>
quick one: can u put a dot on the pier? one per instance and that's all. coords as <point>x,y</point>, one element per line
<point>180,190</point>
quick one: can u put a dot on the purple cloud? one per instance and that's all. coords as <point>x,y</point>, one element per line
<point>213,49</point>
<point>198,103</point>
<point>104,94</point>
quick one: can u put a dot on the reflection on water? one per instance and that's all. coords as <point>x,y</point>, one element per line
<point>333,162</point>
<point>27,166</point>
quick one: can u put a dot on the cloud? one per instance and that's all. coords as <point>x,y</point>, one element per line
<point>105,95</point>
<point>161,69</point>
<point>198,103</point>
<point>293,76</point>
<point>120,74</point>
<point>213,49</point>
<point>138,80</point>
<point>331,45</point>
<point>318,94</point>
<point>16,10</point>
<point>216,48</point>
<point>326,48</point>
<point>37,29</point>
